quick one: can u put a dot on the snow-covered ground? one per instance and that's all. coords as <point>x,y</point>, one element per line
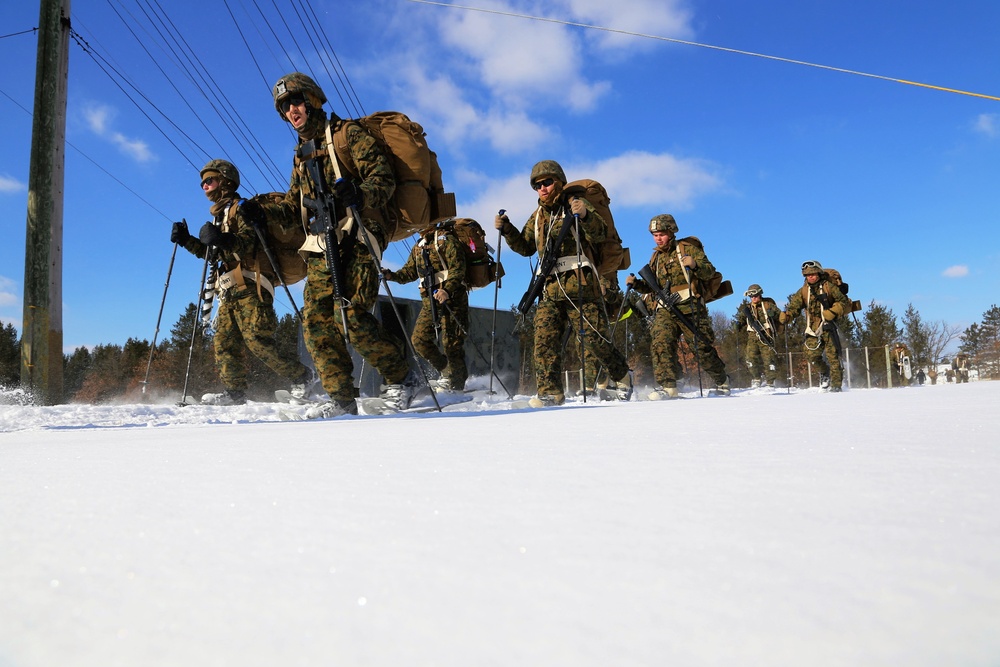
<point>804,529</point>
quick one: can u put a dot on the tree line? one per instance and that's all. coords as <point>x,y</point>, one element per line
<point>129,373</point>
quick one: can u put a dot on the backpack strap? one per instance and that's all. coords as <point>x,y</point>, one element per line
<point>349,225</point>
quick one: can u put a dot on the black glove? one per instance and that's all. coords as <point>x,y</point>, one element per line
<point>347,193</point>
<point>179,233</point>
<point>210,234</point>
<point>253,213</point>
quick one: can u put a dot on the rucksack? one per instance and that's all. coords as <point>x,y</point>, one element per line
<point>420,199</point>
<point>284,242</point>
<point>480,267</point>
<point>715,287</point>
<point>610,255</point>
<point>833,275</point>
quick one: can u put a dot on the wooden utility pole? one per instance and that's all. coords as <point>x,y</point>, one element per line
<point>41,334</point>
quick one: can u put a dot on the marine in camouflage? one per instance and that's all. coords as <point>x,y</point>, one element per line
<point>667,329</point>
<point>368,166</point>
<point>820,300</point>
<point>444,252</point>
<point>246,317</point>
<point>761,358</point>
<point>566,293</point>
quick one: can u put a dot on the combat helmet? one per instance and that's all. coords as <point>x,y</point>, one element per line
<point>547,168</point>
<point>754,290</point>
<point>225,169</point>
<point>297,82</point>
<point>663,223</point>
<point>811,267</point>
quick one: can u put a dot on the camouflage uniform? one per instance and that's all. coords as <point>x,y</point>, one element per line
<point>824,303</point>
<point>761,358</point>
<point>246,315</point>
<point>322,329</point>
<point>960,365</point>
<point>445,254</point>
<point>565,296</point>
<point>667,329</point>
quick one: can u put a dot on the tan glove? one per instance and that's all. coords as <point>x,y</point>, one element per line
<point>829,315</point>
<point>501,221</point>
<point>688,261</point>
<point>578,207</point>
<point>784,317</point>
<point>440,295</point>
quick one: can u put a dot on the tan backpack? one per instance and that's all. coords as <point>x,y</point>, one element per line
<point>420,199</point>
<point>610,255</point>
<point>284,242</point>
<point>715,287</point>
<point>480,267</point>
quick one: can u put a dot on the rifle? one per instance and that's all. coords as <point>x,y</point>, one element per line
<point>325,222</point>
<point>427,274</point>
<point>669,300</point>
<point>762,333</point>
<point>545,266</point>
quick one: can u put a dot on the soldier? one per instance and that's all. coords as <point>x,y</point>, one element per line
<point>760,317</point>
<point>824,304</point>
<point>438,259</point>
<point>901,359</point>
<point>246,315</point>
<point>357,174</point>
<point>572,291</point>
<point>680,268</point>
<point>960,365</point>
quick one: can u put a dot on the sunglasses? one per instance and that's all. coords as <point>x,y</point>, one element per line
<point>295,99</point>
<point>811,265</point>
<point>544,183</point>
<point>209,181</point>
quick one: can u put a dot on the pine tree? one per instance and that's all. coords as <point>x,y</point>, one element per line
<point>879,331</point>
<point>10,357</point>
<point>75,369</point>
<point>917,336</point>
<point>990,354</point>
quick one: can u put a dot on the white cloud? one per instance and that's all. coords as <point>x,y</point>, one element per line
<point>9,184</point>
<point>987,124</point>
<point>633,179</point>
<point>7,296</point>
<point>957,271</point>
<point>99,119</point>
<point>662,18</point>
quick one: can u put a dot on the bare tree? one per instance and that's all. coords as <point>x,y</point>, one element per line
<point>940,334</point>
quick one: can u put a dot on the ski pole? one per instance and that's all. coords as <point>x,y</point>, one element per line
<point>194,328</point>
<point>156,333</point>
<point>496,295</point>
<point>465,332</point>
<point>582,332</point>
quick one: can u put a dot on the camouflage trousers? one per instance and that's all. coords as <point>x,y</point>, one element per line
<point>551,319</point>
<point>761,359</point>
<point>821,352</point>
<point>453,320</point>
<point>245,321</point>
<point>666,333</point>
<point>324,333</point>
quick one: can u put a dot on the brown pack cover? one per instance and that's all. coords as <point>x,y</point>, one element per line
<point>480,267</point>
<point>715,287</point>
<point>610,255</point>
<point>284,243</point>
<point>420,199</point>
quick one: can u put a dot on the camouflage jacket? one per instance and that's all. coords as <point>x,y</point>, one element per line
<point>363,160</point>
<point>675,277</point>
<point>765,313</point>
<point>445,253</point>
<point>546,222</point>
<point>814,299</point>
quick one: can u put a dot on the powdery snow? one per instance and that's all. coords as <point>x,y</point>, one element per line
<point>804,529</point>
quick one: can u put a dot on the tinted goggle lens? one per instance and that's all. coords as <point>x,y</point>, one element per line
<point>293,99</point>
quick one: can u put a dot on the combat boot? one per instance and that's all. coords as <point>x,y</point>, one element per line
<point>722,388</point>
<point>441,384</point>
<point>623,388</point>
<point>399,396</point>
<point>545,401</point>
<point>663,394</point>
<point>228,397</point>
<point>824,381</point>
<point>331,409</point>
<point>304,387</point>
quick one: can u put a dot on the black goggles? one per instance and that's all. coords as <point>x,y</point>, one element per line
<point>294,99</point>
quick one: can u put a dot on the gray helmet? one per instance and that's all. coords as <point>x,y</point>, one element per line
<point>811,267</point>
<point>225,169</point>
<point>663,223</point>
<point>754,290</point>
<point>547,168</point>
<point>297,82</point>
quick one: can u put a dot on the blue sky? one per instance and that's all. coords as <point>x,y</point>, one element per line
<point>769,163</point>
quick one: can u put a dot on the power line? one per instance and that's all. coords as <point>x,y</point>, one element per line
<point>706,46</point>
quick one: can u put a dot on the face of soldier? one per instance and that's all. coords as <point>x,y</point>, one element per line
<point>662,239</point>
<point>755,299</point>
<point>296,114</point>
<point>210,184</point>
<point>812,278</point>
